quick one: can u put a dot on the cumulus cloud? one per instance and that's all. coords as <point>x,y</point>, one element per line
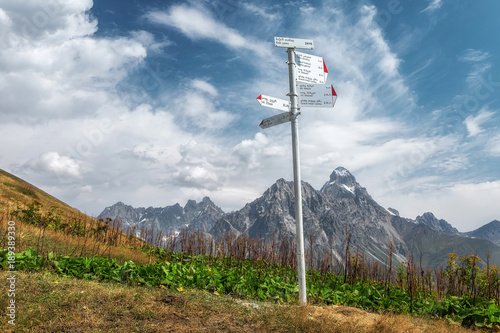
<point>39,22</point>
<point>200,109</point>
<point>253,153</point>
<point>203,166</point>
<point>50,58</point>
<point>52,162</point>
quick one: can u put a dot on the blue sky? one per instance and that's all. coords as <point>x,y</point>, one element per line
<point>153,102</point>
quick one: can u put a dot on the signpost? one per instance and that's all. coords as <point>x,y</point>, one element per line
<point>273,102</point>
<point>310,69</point>
<point>316,95</point>
<point>294,43</point>
<point>275,120</point>
<point>297,183</point>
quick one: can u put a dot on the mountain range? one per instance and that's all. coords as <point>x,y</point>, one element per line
<point>341,206</point>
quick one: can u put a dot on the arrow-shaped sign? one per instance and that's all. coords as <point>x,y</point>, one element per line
<point>273,102</point>
<point>293,43</point>
<point>316,95</point>
<point>311,69</point>
<point>276,120</point>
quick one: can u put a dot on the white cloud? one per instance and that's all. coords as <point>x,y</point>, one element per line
<point>253,153</point>
<point>56,66</point>
<point>433,5</point>
<point>465,205</point>
<point>198,24</point>
<point>475,77</point>
<point>494,146</point>
<point>363,68</point>
<point>37,22</point>
<point>54,163</point>
<point>87,188</point>
<point>453,163</point>
<point>266,13</point>
<point>201,111</point>
<point>473,123</point>
<point>149,41</point>
<point>203,166</point>
<point>471,55</point>
<point>205,87</point>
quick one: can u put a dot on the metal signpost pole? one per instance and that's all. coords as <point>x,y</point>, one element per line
<point>294,110</point>
<point>311,70</point>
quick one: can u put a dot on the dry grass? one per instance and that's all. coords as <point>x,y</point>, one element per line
<point>49,303</point>
<point>15,191</point>
<point>27,236</point>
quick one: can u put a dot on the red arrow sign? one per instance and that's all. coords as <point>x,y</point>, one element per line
<point>273,102</point>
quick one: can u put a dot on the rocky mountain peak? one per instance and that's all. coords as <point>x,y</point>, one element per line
<point>207,201</point>
<point>342,176</point>
<point>490,231</point>
<point>343,185</point>
<point>169,219</point>
<point>281,189</point>
<point>437,224</point>
<point>190,206</point>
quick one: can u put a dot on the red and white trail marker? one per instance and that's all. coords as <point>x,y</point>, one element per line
<point>273,102</point>
<point>311,69</point>
<point>316,95</point>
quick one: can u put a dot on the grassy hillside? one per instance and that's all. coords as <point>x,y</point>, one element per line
<point>79,238</point>
<point>49,303</point>
<point>14,192</point>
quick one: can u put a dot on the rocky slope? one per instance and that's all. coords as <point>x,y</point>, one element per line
<point>490,231</point>
<point>170,219</point>
<point>341,204</point>
<point>437,224</point>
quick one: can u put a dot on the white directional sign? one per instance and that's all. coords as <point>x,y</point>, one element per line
<point>316,95</point>
<point>294,43</point>
<point>311,69</point>
<point>273,102</point>
<point>276,120</point>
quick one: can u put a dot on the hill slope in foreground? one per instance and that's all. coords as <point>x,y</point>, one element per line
<point>50,303</point>
<point>15,191</point>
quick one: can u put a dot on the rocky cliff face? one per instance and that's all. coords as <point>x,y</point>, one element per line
<point>169,219</point>
<point>437,224</point>
<point>342,204</point>
<point>490,231</point>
